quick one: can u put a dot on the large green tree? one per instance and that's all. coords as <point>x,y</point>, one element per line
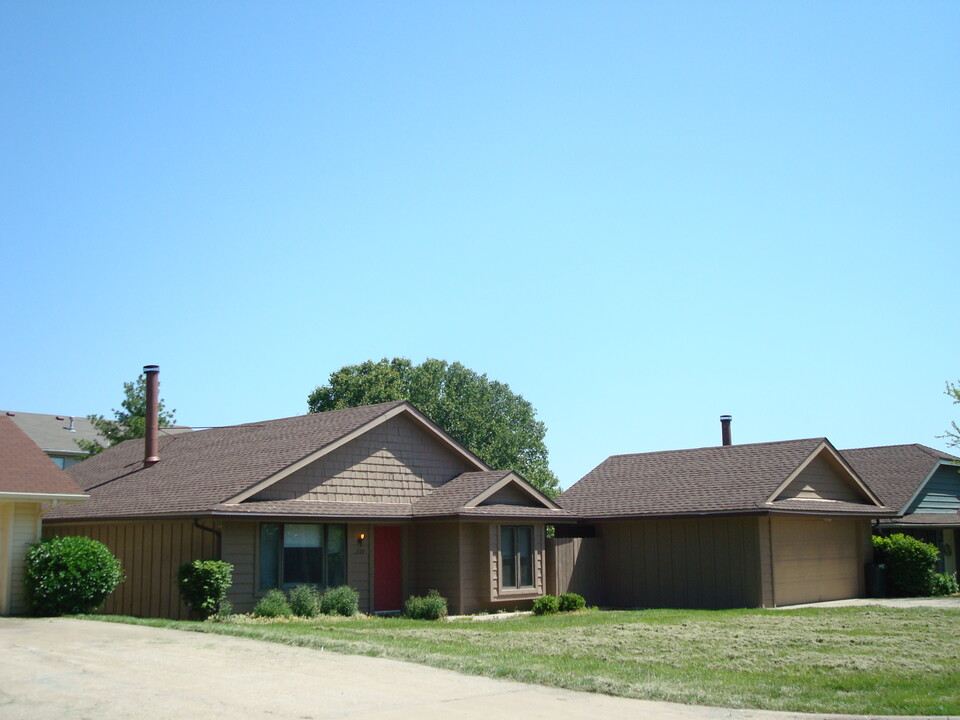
<point>128,422</point>
<point>483,415</point>
<point>953,433</point>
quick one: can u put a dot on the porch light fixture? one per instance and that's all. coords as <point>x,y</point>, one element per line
<point>360,538</point>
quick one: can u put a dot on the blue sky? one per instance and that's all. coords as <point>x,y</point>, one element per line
<point>639,215</point>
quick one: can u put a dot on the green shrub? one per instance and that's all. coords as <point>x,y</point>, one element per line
<point>546,605</point>
<point>273,605</point>
<point>343,600</point>
<point>223,613</point>
<point>431,606</point>
<point>69,575</point>
<point>571,602</point>
<point>911,564</point>
<point>305,601</point>
<point>203,585</point>
<point>945,584</point>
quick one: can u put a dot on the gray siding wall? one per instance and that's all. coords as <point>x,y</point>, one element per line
<point>151,552</point>
<point>395,462</point>
<point>695,563</point>
<point>941,494</point>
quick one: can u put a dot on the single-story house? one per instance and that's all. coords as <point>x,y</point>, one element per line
<point>377,497</point>
<point>753,525</point>
<point>30,485</point>
<point>923,486</point>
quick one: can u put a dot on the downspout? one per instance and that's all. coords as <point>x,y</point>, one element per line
<point>217,534</point>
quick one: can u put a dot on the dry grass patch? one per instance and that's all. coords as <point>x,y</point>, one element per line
<point>865,660</point>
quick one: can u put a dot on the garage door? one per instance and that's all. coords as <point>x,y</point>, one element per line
<point>815,559</point>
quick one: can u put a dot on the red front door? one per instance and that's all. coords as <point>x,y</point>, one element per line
<point>387,580</point>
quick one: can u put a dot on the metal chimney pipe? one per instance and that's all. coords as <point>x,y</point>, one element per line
<point>151,444</point>
<point>725,421</point>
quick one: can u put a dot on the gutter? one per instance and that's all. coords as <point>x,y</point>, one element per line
<point>43,497</point>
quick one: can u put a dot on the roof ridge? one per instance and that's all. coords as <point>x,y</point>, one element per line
<point>719,447</point>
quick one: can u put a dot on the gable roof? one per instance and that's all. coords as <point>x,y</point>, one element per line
<point>26,472</point>
<point>897,472</point>
<point>219,468</point>
<point>460,497</point>
<point>731,479</point>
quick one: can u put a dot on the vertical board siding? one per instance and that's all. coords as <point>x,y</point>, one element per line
<point>575,565</point>
<point>151,552</point>
<point>708,563</point>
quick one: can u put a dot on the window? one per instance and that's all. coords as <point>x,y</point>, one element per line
<point>302,554</point>
<point>516,556</point>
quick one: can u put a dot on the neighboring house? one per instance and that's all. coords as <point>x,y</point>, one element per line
<point>377,497</point>
<point>57,435</point>
<point>29,486</point>
<point>758,525</point>
<point>923,486</point>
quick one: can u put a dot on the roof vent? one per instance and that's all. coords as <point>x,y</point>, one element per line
<point>725,421</point>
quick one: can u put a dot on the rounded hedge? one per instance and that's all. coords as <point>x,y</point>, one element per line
<point>204,584</point>
<point>69,575</point>
<point>911,564</point>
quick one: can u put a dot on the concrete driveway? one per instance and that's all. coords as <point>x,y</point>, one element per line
<point>66,669</point>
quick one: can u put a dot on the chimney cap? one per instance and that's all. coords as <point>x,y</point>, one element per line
<point>726,417</point>
<point>151,368</point>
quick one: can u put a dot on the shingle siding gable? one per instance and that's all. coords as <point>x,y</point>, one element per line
<point>395,462</point>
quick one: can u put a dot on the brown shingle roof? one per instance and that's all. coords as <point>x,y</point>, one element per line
<point>24,468</point>
<point>895,472</point>
<point>725,479</point>
<point>201,469</point>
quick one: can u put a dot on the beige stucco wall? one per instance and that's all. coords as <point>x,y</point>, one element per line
<point>394,462</point>
<point>19,529</point>
<point>150,551</point>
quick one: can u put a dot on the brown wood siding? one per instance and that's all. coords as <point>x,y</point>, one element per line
<point>437,547</point>
<point>511,495</point>
<point>240,541</point>
<point>151,551</point>
<point>395,462</point>
<point>360,563</point>
<point>816,559</point>
<point>767,573</point>
<point>574,565</point>
<point>704,562</point>
<point>820,480</point>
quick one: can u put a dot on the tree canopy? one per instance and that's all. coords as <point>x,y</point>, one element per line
<point>483,415</point>
<point>953,433</point>
<point>129,422</point>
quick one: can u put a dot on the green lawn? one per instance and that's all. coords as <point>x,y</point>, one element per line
<point>860,660</point>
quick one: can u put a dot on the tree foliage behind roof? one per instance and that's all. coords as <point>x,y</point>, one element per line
<point>952,435</point>
<point>483,415</point>
<point>129,422</point>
